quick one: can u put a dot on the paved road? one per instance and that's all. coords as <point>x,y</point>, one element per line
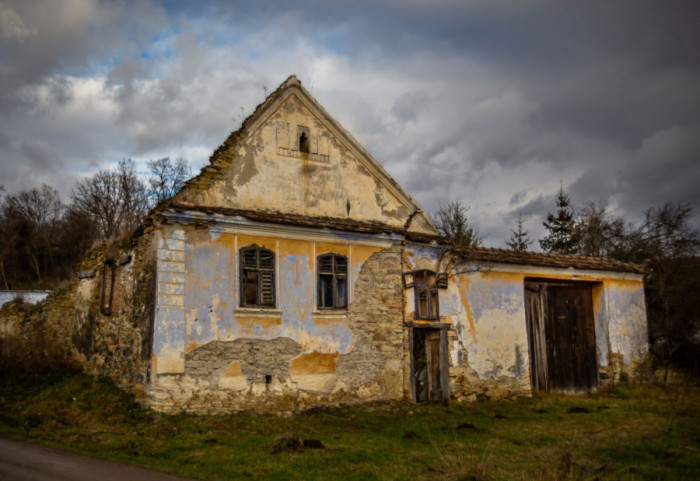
<point>27,462</point>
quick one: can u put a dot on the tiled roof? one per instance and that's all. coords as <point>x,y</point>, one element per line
<point>506,256</point>
<point>347,225</point>
<point>481,254</point>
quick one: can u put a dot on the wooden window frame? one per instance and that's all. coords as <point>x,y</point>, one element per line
<point>420,285</point>
<point>261,293</point>
<point>335,275</point>
<point>107,294</point>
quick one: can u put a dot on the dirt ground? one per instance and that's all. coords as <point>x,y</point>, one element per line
<point>27,462</point>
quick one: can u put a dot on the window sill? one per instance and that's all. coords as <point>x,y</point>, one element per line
<point>331,313</point>
<point>257,312</point>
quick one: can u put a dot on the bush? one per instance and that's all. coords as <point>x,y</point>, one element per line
<point>33,355</point>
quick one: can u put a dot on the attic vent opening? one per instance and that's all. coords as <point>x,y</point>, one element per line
<point>304,143</point>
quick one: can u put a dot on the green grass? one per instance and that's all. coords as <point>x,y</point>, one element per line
<point>631,433</point>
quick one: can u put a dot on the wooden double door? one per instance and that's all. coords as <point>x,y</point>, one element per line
<point>561,336</point>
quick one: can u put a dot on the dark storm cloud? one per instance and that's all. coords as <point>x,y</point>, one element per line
<point>491,103</point>
<point>41,38</point>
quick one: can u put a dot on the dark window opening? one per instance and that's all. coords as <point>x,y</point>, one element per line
<point>108,274</point>
<point>332,281</point>
<point>268,379</point>
<point>257,277</point>
<point>425,285</point>
<point>304,143</point>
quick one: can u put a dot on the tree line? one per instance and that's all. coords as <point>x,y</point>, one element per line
<point>43,238</point>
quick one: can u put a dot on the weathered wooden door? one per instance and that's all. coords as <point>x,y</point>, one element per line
<point>561,336</point>
<point>432,348</point>
<point>429,365</point>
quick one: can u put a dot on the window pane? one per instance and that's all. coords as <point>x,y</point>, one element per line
<point>422,304</point>
<point>250,288</point>
<point>341,287</point>
<point>250,258</point>
<point>326,264</point>
<point>326,290</point>
<point>265,259</point>
<point>433,305</point>
<point>341,265</point>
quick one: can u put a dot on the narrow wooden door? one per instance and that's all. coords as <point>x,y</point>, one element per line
<point>432,347</point>
<point>571,354</point>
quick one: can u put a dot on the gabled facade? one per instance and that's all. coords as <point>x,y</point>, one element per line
<point>294,272</point>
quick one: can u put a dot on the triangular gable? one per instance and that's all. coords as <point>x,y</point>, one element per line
<point>291,157</point>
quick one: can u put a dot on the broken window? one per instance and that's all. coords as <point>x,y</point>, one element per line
<point>257,277</point>
<point>332,281</point>
<point>107,287</point>
<point>426,293</point>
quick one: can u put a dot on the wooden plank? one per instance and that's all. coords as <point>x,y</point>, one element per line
<point>444,367</point>
<point>432,345</point>
<point>536,336</point>
<point>412,366</point>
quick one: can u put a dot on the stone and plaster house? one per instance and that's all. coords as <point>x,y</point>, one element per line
<point>293,271</point>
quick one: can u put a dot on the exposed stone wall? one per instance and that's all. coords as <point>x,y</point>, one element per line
<point>116,345</point>
<point>376,317</point>
<point>119,345</point>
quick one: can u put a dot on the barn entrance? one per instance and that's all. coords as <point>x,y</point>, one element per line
<point>429,366</point>
<point>561,336</point>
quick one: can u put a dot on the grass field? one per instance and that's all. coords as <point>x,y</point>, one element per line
<point>630,433</point>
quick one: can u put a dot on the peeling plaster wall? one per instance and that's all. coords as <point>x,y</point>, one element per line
<point>329,181</point>
<point>627,328</point>
<point>211,355</point>
<point>485,314</point>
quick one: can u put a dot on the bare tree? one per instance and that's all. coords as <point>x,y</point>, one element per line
<point>167,177</point>
<point>115,200</point>
<point>461,237</point>
<point>31,220</point>
<point>519,240</point>
<point>599,233</point>
<point>669,247</point>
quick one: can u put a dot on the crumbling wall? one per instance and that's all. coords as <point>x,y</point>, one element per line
<point>116,345</point>
<point>268,372</point>
<point>375,366</point>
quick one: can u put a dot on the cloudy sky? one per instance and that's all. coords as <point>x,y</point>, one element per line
<point>492,103</point>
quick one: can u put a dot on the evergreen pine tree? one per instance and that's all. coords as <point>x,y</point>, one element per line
<point>519,241</point>
<point>561,238</point>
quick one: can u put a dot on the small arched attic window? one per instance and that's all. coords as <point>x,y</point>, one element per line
<point>304,137</point>
<point>304,143</point>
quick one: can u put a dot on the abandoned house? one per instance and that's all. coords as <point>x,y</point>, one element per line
<point>293,271</point>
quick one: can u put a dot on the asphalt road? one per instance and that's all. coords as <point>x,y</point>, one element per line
<point>27,462</point>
